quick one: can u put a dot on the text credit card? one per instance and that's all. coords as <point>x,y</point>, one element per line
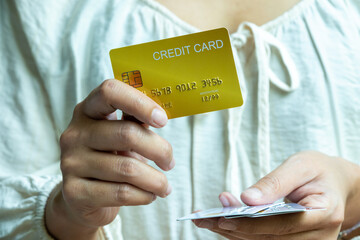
<point>186,75</point>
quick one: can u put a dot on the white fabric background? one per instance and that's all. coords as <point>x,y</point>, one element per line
<point>54,53</point>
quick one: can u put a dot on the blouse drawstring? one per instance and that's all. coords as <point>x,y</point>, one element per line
<point>264,44</point>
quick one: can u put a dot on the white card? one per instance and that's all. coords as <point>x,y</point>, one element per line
<point>249,211</point>
<point>225,212</point>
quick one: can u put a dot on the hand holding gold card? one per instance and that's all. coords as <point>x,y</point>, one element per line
<point>186,75</point>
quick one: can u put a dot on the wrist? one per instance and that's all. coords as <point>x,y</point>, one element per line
<point>60,221</point>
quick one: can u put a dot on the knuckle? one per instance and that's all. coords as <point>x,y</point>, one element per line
<point>165,153</point>
<point>162,184</point>
<point>106,88</point>
<point>66,164</point>
<point>146,199</point>
<point>68,137</point>
<point>336,220</point>
<point>300,157</point>
<point>296,157</point>
<point>271,183</point>
<point>129,134</point>
<point>77,109</point>
<point>127,167</point>
<point>122,195</point>
<point>168,151</point>
<point>149,199</point>
<point>71,191</point>
<point>138,102</point>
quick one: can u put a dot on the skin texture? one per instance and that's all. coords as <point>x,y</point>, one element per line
<point>310,179</point>
<point>209,14</point>
<point>104,166</point>
<point>103,161</point>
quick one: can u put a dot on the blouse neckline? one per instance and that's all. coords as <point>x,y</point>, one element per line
<point>293,13</point>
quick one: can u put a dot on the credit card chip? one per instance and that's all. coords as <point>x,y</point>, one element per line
<point>133,78</point>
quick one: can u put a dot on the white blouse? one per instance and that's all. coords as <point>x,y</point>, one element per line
<point>299,74</point>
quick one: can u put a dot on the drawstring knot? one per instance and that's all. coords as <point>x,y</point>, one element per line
<point>266,48</point>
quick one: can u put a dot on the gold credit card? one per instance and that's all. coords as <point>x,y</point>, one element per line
<point>186,75</point>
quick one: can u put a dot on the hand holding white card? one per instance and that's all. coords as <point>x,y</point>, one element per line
<point>248,211</point>
<point>306,178</point>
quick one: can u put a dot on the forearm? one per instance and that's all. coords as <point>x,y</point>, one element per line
<point>61,223</point>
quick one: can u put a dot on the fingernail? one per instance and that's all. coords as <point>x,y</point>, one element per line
<point>253,193</point>
<point>168,190</point>
<point>159,117</point>
<point>224,201</point>
<point>205,224</point>
<point>227,225</point>
<point>172,164</point>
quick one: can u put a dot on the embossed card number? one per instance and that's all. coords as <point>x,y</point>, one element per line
<point>186,75</point>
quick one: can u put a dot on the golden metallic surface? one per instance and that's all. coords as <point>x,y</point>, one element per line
<point>186,75</point>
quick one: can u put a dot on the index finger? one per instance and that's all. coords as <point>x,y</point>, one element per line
<point>113,94</point>
<point>283,180</point>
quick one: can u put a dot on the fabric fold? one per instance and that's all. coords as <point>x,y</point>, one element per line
<point>264,44</point>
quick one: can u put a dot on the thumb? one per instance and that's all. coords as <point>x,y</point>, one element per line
<point>289,176</point>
